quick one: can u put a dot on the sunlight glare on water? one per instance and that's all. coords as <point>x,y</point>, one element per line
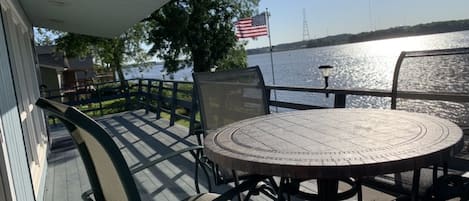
<point>364,65</point>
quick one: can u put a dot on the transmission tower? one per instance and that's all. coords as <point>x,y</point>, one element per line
<point>305,27</point>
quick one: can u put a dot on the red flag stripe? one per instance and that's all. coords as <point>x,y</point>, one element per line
<point>250,30</point>
<point>252,33</point>
<point>245,29</point>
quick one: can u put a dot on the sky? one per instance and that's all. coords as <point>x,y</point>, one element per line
<point>331,17</point>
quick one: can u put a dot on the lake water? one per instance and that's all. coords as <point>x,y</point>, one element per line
<point>365,65</point>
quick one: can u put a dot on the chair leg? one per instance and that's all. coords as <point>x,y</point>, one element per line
<point>273,184</point>
<point>358,182</point>
<point>236,181</point>
<point>445,168</point>
<point>210,188</point>
<point>415,184</point>
<point>246,185</point>
<point>198,162</point>
<point>249,194</point>
<point>196,175</point>
<point>281,189</point>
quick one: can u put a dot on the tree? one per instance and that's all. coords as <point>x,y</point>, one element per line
<point>200,32</point>
<point>235,58</point>
<point>110,52</point>
<point>43,36</point>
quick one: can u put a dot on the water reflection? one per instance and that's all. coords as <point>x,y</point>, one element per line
<point>360,65</point>
<point>370,65</point>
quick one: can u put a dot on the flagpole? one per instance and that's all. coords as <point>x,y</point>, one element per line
<point>271,56</point>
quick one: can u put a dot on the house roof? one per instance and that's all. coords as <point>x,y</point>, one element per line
<point>48,57</point>
<point>104,18</point>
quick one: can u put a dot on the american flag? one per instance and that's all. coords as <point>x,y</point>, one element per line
<point>252,27</point>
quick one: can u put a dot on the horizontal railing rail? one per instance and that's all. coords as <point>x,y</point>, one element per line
<point>176,97</point>
<point>150,94</point>
<point>341,94</point>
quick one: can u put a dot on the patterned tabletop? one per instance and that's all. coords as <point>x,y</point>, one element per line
<point>334,143</point>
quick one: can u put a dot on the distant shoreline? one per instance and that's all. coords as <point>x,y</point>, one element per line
<point>395,32</point>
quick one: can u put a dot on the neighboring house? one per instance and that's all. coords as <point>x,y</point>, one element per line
<point>23,134</point>
<point>58,71</point>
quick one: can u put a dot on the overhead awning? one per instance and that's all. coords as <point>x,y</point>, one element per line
<point>104,18</point>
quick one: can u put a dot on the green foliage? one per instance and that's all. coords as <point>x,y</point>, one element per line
<point>200,31</point>
<point>109,52</point>
<point>43,36</point>
<point>236,58</point>
<point>185,92</point>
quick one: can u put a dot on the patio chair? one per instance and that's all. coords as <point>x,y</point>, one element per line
<point>225,97</point>
<point>445,71</point>
<point>108,173</point>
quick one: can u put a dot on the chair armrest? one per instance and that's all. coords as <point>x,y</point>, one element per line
<point>86,195</point>
<point>166,157</point>
<point>199,133</point>
<point>198,130</point>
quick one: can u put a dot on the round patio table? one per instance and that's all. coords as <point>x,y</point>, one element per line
<point>329,144</point>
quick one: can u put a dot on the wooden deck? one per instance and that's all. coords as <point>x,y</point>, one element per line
<point>141,138</point>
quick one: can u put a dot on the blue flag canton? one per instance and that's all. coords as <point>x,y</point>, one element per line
<point>259,20</point>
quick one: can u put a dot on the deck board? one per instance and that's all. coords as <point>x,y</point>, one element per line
<point>72,178</point>
<point>141,138</point>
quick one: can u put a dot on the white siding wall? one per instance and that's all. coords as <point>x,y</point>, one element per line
<point>23,124</point>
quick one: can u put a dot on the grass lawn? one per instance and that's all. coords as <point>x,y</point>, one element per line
<point>116,106</point>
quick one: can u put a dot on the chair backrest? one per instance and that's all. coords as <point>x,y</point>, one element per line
<point>434,82</point>
<point>229,96</point>
<point>109,175</point>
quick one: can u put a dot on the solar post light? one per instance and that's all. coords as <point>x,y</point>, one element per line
<point>326,71</point>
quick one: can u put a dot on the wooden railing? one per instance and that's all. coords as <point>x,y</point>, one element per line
<point>176,97</point>
<point>341,96</point>
<point>151,94</point>
<point>173,96</point>
<point>168,96</point>
<point>89,94</point>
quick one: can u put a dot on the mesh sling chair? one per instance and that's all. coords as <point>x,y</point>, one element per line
<point>438,76</point>
<point>108,173</point>
<point>225,97</point>
<point>229,96</point>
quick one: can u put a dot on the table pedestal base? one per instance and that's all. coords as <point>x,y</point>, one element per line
<point>327,189</point>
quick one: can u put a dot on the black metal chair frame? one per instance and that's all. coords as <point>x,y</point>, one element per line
<point>414,194</point>
<point>76,122</point>
<point>218,177</point>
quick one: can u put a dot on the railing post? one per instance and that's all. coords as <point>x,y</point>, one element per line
<point>139,91</point>
<point>126,92</point>
<point>75,96</point>
<point>267,94</point>
<point>100,98</point>
<point>194,109</point>
<point>339,100</point>
<point>148,97</point>
<point>172,118</point>
<point>160,99</point>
